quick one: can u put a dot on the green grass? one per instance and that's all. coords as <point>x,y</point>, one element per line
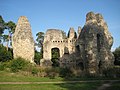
<point>68,86</point>
<point>16,77</point>
<point>115,86</point>
<point>65,86</point>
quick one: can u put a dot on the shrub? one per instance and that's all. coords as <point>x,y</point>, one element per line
<point>38,56</point>
<point>112,72</point>
<point>35,71</point>
<point>117,56</point>
<point>2,66</point>
<point>52,72</point>
<point>66,72</point>
<point>18,64</point>
<point>4,54</point>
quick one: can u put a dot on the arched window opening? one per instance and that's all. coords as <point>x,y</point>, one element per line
<point>66,51</point>
<point>55,52</point>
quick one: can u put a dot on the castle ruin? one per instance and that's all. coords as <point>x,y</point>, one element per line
<point>88,50</point>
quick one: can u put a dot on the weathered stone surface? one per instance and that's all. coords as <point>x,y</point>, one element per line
<point>22,41</point>
<point>54,39</point>
<point>89,52</point>
<point>95,43</point>
<point>79,30</point>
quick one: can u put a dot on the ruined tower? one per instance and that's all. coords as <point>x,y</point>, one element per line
<point>55,39</point>
<point>95,43</point>
<point>22,41</point>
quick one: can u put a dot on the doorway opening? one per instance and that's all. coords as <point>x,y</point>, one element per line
<point>55,52</point>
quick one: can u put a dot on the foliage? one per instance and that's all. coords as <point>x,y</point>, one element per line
<point>10,27</point>
<point>65,72</point>
<point>1,27</point>
<point>4,54</point>
<point>112,72</point>
<point>5,65</point>
<point>2,66</point>
<point>117,56</point>
<point>34,71</point>
<point>38,56</point>
<point>52,72</point>
<point>18,64</point>
<point>40,38</point>
<point>55,57</point>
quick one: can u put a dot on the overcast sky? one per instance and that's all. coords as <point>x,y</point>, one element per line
<point>62,14</point>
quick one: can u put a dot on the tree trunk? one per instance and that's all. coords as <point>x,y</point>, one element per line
<point>8,39</point>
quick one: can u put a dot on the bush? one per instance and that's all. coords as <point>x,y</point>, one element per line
<point>112,72</point>
<point>38,56</point>
<point>52,72</point>
<point>2,66</point>
<point>35,71</point>
<point>4,54</point>
<point>117,56</point>
<point>66,72</point>
<point>18,64</point>
<point>5,65</point>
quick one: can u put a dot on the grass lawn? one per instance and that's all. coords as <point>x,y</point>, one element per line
<point>13,77</point>
<point>65,86</point>
<point>115,86</point>
<point>75,86</point>
<point>16,77</point>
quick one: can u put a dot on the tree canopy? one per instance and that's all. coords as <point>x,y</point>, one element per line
<point>40,38</point>
<point>117,56</point>
<point>2,23</point>
<point>10,27</point>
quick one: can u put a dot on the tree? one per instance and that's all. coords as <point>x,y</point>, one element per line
<point>4,54</point>
<point>2,27</point>
<point>40,39</point>
<point>55,57</point>
<point>39,44</point>
<point>117,56</point>
<point>10,26</point>
<point>38,56</point>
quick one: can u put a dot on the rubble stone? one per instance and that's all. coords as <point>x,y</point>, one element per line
<point>22,41</point>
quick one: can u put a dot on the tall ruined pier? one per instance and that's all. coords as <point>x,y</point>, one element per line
<point>22,42</point>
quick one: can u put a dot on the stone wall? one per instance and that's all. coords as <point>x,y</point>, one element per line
<point>95,43</point>
<point>54,39</point>
<point>91,50</point>
<point>22,41</point>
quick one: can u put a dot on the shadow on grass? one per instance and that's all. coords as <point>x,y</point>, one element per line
<point>114,86</point>
<point>80,86</point>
